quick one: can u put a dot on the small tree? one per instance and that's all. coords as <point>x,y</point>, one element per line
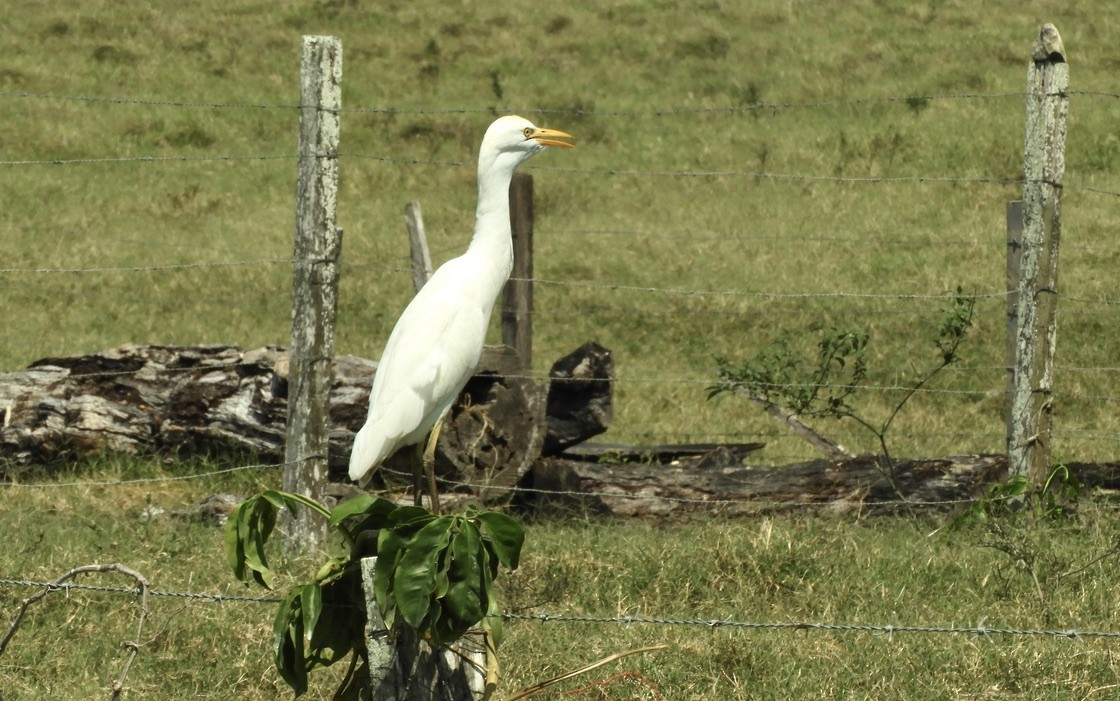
<point>825,385</point>
<point>434,573</point>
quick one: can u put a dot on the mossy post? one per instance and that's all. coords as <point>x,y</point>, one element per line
<point>1043,168</point>
<point>318,242</point>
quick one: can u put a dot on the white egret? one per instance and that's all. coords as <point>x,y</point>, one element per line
<point>437,342</point>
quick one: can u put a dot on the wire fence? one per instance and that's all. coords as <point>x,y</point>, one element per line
<point>604,298</point>
<point>984,381</point>
<point>980,630</point>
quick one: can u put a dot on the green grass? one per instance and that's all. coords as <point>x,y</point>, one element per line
<point>795,567</point>
<point>600,70</point>
<point>436,73</point>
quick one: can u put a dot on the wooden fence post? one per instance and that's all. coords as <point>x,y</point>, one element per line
<point>402,665</point>
<point>417,245</point>
<point>1043,168</point>
<point>517,299</point>
<point>1014,258</point>
<point>318,243</point>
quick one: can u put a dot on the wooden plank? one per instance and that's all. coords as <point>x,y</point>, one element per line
<point>318,243</point>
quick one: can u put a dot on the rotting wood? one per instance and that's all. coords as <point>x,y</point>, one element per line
<point>221,400</point>
<point>580,391</point>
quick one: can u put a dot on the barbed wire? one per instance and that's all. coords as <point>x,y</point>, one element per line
<point>544,376</point>
<point>145,101</point>
<point>141,159</point>
<point>613,287</point>
<point>981,630</point>
<point>910,100</point>
<point>149,268</point>
<point>67,587</point>
<point>146,480</point>
<point>489,110</point>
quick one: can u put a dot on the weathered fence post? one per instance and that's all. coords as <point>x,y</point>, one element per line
<point>417,245</point>
<point>318,243</point>
<point>403,666</point>
<point>517,299</point>
<point>1014,258</point>
<point>1043,168</point>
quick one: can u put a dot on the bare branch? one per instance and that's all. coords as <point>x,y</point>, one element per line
<point>830,448</point>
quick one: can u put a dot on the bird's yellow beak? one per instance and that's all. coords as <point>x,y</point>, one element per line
<point>551,137</point>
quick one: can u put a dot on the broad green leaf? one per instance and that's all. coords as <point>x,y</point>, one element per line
<point>275,498</point>
<point>506,535</point>
<point>311,606</point>
<point>410,514</point>
<point>464,604</point>
<point>288,644</point>
<point>390,543</point>
<point>364,505</point>
<point>235,549</point>
<point>493,622</point>
<point>331,569</point>
<point>465,569</point>
<point>414,579</point>
<point>258,526</point>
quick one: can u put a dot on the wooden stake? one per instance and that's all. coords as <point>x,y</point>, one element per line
<point>417,245</point>
<point>1043,169</point>
<point>1014,259</point>
<point>318,242</point>
<point>517,299</point>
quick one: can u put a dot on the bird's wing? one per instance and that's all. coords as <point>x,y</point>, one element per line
<point>430,355</point>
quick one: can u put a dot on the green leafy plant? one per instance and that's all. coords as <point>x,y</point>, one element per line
<point>1055,497</point>
<point>825,385</point>
<point>434,573</point>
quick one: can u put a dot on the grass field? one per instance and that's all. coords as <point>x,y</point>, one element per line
<point>837,569</point>
<point>629,209</point>
<point>657,238</point>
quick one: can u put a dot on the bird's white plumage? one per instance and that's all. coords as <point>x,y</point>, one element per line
<point>436,344</point>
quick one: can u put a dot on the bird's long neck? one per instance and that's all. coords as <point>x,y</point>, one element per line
<point>492,237</point>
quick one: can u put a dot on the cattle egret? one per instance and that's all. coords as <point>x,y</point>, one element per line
<point>437,342</point>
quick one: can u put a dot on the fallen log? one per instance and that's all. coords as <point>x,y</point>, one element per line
<point>628,489</point>
<point>221,400</point>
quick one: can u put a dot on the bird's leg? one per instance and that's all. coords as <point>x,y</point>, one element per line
<point>429,464</point>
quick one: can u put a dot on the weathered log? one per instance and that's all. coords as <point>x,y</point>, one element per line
<point>495,430</point>
<point>579,397</point>
<point>734,489</point>
<point>695,454</point>
<point>220,400</point>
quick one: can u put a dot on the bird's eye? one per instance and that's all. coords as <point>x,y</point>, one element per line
<point>528,132</point>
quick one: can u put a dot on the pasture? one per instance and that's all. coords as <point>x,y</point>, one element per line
<point>744,174</point>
